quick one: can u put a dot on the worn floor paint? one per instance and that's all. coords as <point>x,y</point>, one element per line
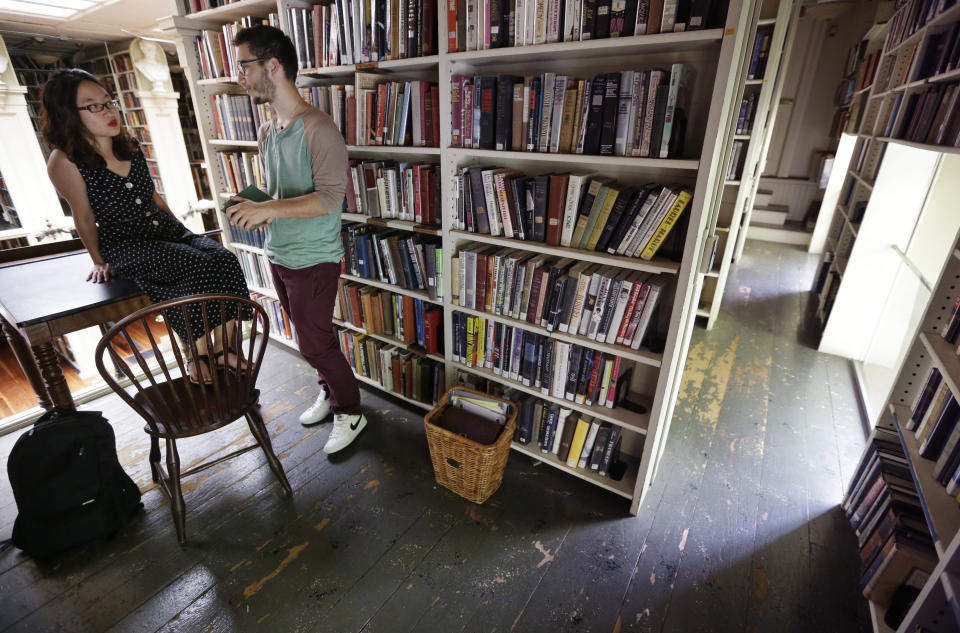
<point>740,531</point>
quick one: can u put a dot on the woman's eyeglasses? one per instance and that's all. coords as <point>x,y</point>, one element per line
<point>96,108</point>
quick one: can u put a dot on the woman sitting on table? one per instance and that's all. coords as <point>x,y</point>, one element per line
<point>125,224</point>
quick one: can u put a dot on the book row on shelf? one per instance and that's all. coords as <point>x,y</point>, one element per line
<point>558,294</point>
<point>393,367</point>
<point>484,24</point>
<point>215,50</point>
<point>760,54</point>
<point>930,116</point>
<point>896,548</point>
<point>910,18</point>
<point>558,369</point>
<point>349,32</point>
<point>407,261</point>
<point>256,270</point>
<point>237,117</point>
<point>279,322</point>
<point>628,113</point>
<point>394,112</point>
<point>738,155</point>
<point>748,110</point>
<point>571,210</point>
<point>398,113</point>
<point>576,439</point>
<point>254,238</point>
<point>412,322</point>
<point>391,190</point>
<point>240,170</point>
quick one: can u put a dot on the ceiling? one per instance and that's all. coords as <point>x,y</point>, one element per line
<point>103,23</point>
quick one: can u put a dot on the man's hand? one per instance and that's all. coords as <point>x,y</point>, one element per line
<point>100,273</point>
<point>249,215</point>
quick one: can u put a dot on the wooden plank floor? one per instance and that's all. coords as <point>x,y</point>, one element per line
<point>740,532</point>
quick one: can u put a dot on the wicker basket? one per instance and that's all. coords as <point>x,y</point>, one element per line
<point>471,469</point>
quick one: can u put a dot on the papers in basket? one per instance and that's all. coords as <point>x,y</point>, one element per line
<point>492,410</point>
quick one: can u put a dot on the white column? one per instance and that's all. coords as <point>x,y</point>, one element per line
<point>21,161</point>
<point>170,151</point>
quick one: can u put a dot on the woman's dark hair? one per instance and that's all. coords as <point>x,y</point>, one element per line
<point>267,42</point>
<point>61,125</point>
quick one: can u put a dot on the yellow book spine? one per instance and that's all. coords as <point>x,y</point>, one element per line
<point>576,446</point>
<point>481,340</point>
<point>602,219</point>
<point>668,221</point>
<point>471,331</point>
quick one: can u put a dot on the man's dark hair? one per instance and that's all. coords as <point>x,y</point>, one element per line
<point>266,42</point>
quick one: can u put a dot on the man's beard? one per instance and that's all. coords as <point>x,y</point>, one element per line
<point>264,91</point>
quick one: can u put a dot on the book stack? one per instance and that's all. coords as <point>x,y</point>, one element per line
<point>395,112</point>
<point>570,210</point>
<point>629,113</point>
<point>393,257</point>
<point>215,49</point>
<point>561,370</point>
<point>558,294</point>
<point>241,170</point>
<point>394,368</point>
<point>391,190</point>
<point>411,321</point>
<point>761,51</point>
<point>332,99</point>
<point>484,24</point>
<point>279,323</point>
<point>237,117</point>
<point>883,507</point>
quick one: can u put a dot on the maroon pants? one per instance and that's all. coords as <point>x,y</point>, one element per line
<point>308,295</point>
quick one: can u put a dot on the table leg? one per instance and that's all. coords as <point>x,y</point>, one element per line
<point>27,363</point>
<point>53,376</point>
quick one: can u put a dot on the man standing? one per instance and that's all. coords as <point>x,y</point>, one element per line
<point>305,163</point>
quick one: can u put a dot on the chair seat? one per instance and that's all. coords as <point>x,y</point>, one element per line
<point>193,409</point>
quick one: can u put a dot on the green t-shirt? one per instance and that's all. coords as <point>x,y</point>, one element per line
<point>309,156</point>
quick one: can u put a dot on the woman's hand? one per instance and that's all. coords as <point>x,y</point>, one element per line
<point>249,215</point>
<point>100,273</point>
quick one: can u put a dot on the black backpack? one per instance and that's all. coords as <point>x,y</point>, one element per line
<point>68,484</point>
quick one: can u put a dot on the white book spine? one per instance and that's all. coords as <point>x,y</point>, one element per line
<point>626,287</point>
<point>572,204</point>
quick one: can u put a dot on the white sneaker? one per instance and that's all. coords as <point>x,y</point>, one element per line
<point>318,411</point>
<point>346,428</point>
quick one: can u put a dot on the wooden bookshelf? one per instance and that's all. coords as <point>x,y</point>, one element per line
<point>714,53</point>
<point>734,207</point>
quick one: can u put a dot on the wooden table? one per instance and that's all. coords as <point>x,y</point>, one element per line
<point>45,297</point>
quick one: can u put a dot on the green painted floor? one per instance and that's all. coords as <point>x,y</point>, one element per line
<point>740,532</point>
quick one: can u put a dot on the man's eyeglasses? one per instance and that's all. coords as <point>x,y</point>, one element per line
<point>242,65</point>
<point>96,108</point>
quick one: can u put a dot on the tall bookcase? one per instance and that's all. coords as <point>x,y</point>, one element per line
<point>892,146</point>
<point>746,144</point>
<point>711,52</point>
<point>115,71</point>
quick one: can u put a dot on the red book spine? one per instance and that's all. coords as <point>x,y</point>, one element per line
<point>628,311</point>
<point>452,26</point>
<point>351,120</point>
<point>435,119</point>
<point>417,187</point>
<point>612,391</point>
<point>595,374</point>
<point>467,99</point>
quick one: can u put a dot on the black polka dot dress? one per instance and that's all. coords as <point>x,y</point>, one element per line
<point>147,245</point>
